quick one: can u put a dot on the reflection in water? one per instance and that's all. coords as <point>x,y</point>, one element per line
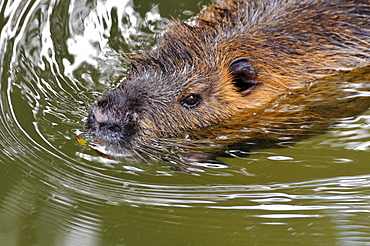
<point>56,57</point>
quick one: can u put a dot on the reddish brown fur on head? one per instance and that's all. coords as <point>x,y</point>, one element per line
<point>240,60</point>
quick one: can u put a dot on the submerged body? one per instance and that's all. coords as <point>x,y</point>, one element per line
<point>262,69</point>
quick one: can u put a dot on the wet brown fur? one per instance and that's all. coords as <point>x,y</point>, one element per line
<point>306,53</point>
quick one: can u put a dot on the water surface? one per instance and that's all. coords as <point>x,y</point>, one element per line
<point>57,57</point>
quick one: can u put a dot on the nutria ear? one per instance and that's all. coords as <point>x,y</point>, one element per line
<point>244,75</point>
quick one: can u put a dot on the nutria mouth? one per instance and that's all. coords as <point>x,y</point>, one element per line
<point>263,69</point>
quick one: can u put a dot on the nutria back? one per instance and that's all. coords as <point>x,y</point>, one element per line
<point>263,69</point>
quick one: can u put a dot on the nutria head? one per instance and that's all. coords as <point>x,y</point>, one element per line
<point>172,98</point>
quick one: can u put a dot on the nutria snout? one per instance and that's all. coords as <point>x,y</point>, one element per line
<point>263,69</point>
<point>113,119</point>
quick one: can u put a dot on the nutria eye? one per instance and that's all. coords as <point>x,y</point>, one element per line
<point>191,101</point>
<point>244,75</point>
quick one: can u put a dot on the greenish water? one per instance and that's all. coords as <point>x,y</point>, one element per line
<point>56,57</point>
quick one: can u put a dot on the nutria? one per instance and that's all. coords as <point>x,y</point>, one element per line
<point>261,69</point>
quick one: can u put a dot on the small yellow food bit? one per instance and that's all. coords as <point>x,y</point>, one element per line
<point>81,141</point>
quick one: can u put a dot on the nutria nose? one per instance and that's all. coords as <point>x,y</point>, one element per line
<point>112,129</point>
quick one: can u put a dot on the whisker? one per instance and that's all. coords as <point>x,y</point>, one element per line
<point>167,132</point>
